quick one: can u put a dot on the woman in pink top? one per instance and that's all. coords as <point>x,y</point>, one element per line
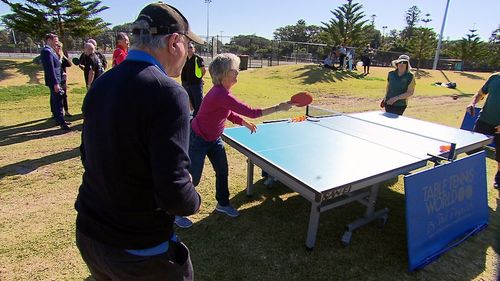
<point>217,106</point>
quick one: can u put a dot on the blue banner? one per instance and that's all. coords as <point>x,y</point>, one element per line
<point>444,206</point>
<point>469,121</point>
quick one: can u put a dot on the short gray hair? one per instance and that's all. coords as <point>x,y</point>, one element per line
<point>221,65</point>
<point>142,38</point>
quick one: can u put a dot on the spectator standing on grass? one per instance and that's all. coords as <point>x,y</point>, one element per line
<point>366,58</point>
<point>85,61</point>
<point>489,117</point>
<point>342,57</point>
<point>122,44</point>
<point>400,86</point>
<point>52,75</point>
<point>94,67</point>
<point>65,63</point>
<point>101,56</point>
<point>205,140</point>
<point>192,78</point>
<point>135,156</point>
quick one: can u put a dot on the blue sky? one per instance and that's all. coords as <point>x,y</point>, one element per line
<point>263,17</point>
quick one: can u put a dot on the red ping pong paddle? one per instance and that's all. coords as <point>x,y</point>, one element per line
<point>301,99</point>
<point>382,103</point>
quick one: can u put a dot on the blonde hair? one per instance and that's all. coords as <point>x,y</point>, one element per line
<point>221,65</point>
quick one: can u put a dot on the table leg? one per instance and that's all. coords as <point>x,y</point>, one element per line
<point>249,177</point>
<point>372,199</point>
<point>313,225</point>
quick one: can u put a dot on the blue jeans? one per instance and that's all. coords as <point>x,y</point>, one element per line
<point>198,149</point>
<point>195,93</point>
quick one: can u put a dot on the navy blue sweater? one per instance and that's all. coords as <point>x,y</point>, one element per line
<point>134,148</point>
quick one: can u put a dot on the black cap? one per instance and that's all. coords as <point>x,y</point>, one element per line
<point>165,19</point>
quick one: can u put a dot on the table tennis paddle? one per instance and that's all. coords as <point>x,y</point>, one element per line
<point>301,99</point>
<point>76,61</point>
<point>382,103</point>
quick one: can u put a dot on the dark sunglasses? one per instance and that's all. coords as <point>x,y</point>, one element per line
<point>404,62</point>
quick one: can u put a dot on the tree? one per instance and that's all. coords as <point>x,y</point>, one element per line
<point>346,27</point>
<point>372,35</point>
<point>422,44</point>
<point>4,37</point>
<point>470,49</point>
<point>126,27</point>
<point>412,18</point>
<point>394,42</point>
<point>249,44</point>
<point>300,32</point>
<point>494,49</point>
<point>64,17</point>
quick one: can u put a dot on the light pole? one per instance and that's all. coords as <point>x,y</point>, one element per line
<point>436,58</point>
<point>221,44</point>
<point>208,21</point>
<point>383,33</point>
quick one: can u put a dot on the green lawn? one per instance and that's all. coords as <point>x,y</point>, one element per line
<point>40,172</point>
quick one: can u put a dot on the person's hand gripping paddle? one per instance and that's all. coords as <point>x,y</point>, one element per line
<point>301,99</point>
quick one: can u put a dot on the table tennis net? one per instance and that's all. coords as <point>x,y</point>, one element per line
<point>318,112</point>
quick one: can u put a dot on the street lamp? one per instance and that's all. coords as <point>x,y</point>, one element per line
<point>383,33</point>
<point>436,58</point>
<point>208,19</point>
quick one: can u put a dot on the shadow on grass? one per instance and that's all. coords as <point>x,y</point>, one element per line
<point>4,65</point>
<point>27,166</point>
<point>470,76</point>
<point>422,74</point>
<point>29,69</point>
<point>35,130</point>
<point>267,243</point>
<point>315,73</point>
<point>462,94</point>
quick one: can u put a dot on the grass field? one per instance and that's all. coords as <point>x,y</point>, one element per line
<point>40,172</point>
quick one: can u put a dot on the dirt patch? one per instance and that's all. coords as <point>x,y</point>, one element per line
<point>345,103</point>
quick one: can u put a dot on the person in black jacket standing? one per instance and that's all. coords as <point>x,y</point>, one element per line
<point>52,75</point>
<point>65,63</point>
<point>134,151</point>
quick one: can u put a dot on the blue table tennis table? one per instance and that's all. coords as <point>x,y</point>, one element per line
<point>336,159</point>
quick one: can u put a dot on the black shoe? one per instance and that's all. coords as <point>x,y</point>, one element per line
<point>65,127</point>
<point>68,114</point>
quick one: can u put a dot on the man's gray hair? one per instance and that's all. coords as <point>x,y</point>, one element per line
<point>142,38</point>
<point>221,65</point>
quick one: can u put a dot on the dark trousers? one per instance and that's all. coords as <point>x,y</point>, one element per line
<point>195,93</point>
<point>109,263</point>
<point>342,60</point>
<point>65,96</point>
<point>56,106</point>
<point>488,129</point>
<point>395,109</point>
<point>198,149</point>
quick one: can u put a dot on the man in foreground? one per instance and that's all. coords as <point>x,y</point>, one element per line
<point>488,121</point>
<point>135,154</point>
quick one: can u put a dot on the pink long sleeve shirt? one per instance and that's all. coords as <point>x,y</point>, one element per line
<point>218,105</point>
